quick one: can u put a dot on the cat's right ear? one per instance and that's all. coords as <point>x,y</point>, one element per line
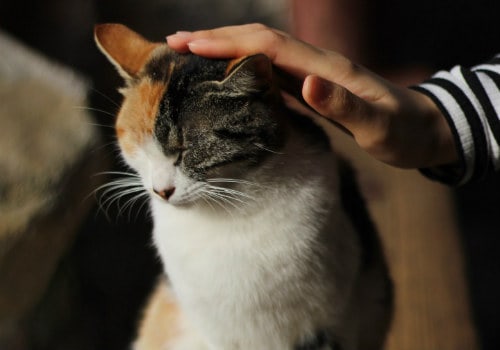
<point>126,49</point>
<point>249,74</point>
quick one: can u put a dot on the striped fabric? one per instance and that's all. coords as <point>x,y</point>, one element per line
<point>470,101</point>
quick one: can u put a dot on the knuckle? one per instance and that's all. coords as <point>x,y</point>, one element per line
<point>266,32</point>
<point>271,41</point>
<point>343,65</point>
<point>269,35</point>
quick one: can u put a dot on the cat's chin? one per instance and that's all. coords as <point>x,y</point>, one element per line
<point>200,206</point>
<point>181,203</point>
<point>172,202</point>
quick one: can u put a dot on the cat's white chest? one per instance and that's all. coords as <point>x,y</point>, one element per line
<point>257,268</point>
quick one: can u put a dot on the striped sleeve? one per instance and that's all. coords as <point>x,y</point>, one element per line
<point>470,101</point>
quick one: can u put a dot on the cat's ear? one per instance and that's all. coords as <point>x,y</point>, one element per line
<point>126,49</point>
<point>249,74</point>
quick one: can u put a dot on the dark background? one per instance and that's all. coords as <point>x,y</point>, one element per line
<point>112,265</point>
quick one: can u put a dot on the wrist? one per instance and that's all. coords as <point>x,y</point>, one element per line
<point>444,148</point>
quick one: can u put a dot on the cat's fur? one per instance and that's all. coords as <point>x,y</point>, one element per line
<point>258,243</point>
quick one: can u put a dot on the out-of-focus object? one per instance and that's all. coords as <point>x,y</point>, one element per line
<point>46,167</point>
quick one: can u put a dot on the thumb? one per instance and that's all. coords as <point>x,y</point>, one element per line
<point>336,103</point>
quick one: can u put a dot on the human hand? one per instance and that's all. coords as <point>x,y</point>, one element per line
<point>398,126</point>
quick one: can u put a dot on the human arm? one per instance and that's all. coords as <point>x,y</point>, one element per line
<point>403,127</point>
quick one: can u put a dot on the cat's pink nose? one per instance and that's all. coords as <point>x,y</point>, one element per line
<point>166,193</point>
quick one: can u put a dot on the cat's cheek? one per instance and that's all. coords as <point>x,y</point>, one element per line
<point>128,149</point>
<point>130,159</point>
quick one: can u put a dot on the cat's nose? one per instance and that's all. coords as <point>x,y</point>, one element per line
<point>165,193</point>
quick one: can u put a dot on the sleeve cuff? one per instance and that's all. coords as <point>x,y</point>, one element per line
<point>451,174</point>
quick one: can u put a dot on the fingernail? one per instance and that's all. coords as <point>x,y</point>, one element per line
<point>179,35</point>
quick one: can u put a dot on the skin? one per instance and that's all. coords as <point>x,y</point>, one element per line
<point>395,125</point>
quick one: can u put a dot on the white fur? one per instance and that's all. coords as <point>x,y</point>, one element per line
<point>266,274</point>
<point>158,171</point>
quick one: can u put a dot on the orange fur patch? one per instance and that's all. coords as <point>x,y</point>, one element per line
<point>128,50</point>
<point>161,323</point>
<point>136,119</point>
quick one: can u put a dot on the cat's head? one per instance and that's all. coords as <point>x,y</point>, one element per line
<point>188,124</point>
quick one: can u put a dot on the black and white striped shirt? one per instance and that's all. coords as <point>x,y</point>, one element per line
<point>470,101</point>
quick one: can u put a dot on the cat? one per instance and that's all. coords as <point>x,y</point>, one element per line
<point>264,239</point>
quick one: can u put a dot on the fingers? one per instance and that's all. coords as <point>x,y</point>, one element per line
<point>286,52</point>
<point>180,40</point>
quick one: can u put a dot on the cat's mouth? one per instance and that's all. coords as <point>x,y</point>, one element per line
<point>177,195</point>
<point>215,194</point>
<point>169,196</point>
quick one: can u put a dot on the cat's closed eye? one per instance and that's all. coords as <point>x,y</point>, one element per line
<point>180,154</point>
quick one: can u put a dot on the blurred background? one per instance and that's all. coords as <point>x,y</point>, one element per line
<point>74,276</point>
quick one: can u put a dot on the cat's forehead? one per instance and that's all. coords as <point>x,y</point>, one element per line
<point>183,70</point>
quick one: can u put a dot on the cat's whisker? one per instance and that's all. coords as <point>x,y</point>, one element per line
<point>106,204</point>
<point>101,125</point>
<point>238,182</point>
<point>131,191</point>
<point>130,180</point>
<point>226,198</point>
<point>229,180</point>
<point>112,187</point>
<point>111,200</point>
<point>229,191</point>
<point>103,188</point>
<point>114,191</point>
<point>125,188</point>
<point>194,192</point>
<point>122,184</point>
<point>144,202</point>
<point>129,204</point>
<point>258,145</point>
<point>207,201</point>
<point>235,202</point>
<point>219,201</point>
<point>92,109</point>
<point>134,175</point>
<point>222,204</point>
<point>125,181</point>
<point>107,149</point>
<point>109,99</point>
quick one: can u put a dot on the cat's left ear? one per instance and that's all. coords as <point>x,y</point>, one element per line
<point>249,74</point>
